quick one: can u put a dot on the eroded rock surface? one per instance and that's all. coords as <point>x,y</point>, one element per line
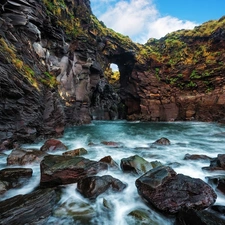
<point>33,208</point>
<point>57,170</point>
<point>171,192</point>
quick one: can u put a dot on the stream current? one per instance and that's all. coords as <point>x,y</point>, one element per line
<point>134,138</point>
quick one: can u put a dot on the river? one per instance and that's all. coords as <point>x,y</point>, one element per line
<point>133,138</point>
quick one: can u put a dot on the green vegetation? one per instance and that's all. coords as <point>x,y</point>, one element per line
<point>49,80</point>
<point>11,56</point>
<point>65,17</point>
<point>112,76</point>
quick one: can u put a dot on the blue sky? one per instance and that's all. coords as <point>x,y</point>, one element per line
<point>143,19</point>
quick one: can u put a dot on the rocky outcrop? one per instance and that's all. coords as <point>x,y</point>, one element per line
<point>170,192</point>
<point>54,58</point>
<point>38,207</point>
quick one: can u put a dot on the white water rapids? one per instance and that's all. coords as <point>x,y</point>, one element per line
<point>134,138</point>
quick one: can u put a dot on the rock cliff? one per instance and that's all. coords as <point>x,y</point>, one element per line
<point>54,63</point>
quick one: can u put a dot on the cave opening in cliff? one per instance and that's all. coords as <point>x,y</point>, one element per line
<point>113,75</point>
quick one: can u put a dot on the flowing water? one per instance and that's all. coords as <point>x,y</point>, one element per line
<point>133,138</point>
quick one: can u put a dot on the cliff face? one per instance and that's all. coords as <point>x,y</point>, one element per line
<point>54,63</point>
<point>182,75</point>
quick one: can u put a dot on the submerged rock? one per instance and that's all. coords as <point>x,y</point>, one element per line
<point>111,143</point>
<point>57,170</point>
<point>33,208</point>
<point>80,211</point>
<point>92,187</point>
<point>171,192</point>
<point>162,141</point>
<point>196,157</point>
<point>142,217</point>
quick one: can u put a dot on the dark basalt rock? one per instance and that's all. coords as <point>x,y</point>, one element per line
<point>58,170</point>
<point>171,192</point>
<point>33,208</point>
<point>92,187</point>
<point>52,77</point>
<point>219,209</point>
<point>191,217</point>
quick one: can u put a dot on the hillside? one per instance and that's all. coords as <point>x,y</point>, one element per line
<point>55,61</point>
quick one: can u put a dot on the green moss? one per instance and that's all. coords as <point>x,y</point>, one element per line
<point>195,75</point>
<point>49,80</point>
<point>191,84</point>
<point>11,56</point>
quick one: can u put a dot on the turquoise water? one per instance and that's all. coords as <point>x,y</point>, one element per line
<point>132,138</point>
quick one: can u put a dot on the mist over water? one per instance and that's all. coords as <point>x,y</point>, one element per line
<point>133,138</point>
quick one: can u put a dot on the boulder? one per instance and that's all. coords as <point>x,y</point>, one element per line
<point>111,143</point>
<point>57,170</point>
<point>76,152</point>
<point>170,192</point>
<point>162,141</point>
<point>136,164</point>
<point>217,163</point>
<point>33,208</point>
<point>92,187</point>
<point>204,217</point>
<point>53,145</point>
<point>21,156</point>
<point>81,212</point>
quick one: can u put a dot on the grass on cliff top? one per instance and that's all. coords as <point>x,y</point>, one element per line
<point>176,47</point>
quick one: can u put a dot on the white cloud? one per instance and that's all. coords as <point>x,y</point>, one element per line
<point>138,19</point>
<point>164,25</point>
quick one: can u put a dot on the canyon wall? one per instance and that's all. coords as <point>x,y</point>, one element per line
<point>54,63</point>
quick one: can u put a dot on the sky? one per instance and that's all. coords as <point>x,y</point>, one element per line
<point>144,19</point>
